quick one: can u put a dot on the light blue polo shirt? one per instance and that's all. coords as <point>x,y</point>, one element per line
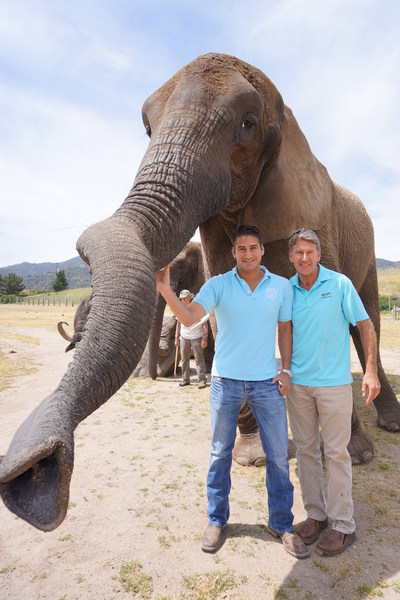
<point>247,321</point>
<point>321,336</point>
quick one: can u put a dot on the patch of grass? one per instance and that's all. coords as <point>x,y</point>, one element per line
<point>173,485</point>
<point>7,569</point>
<point>165,542</point>
<point>134,580</point>
<point>384,467</point>
<point>367,591</point>
<point>396,586</point>
<point>321,566</point>
<point>10,369</point>
<point>280,593</point>
<point>206,586</point>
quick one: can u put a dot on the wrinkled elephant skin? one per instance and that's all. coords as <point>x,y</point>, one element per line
<point>224,150</point>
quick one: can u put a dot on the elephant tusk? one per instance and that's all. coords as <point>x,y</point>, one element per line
<point>62,331</point>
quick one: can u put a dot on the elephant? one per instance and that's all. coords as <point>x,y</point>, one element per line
<point>224,150</point>
<point>80,319</point>
<point>186,271</point>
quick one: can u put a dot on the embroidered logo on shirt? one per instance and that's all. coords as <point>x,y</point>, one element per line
<point>326,295</point>
<point>271,293</point>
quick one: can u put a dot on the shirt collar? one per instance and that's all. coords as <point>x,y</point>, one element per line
<point>323,275</point>
<point>266,272</point>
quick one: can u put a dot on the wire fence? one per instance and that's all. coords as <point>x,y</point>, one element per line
<point>47,301</point>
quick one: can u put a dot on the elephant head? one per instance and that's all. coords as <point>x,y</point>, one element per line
<point>222,143</point>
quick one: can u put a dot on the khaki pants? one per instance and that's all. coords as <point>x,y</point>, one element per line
<point>328,409</point>
<point>186,349</point>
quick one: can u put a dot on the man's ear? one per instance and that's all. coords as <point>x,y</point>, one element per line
<point>233,252</point>
<point>291,257</point>
<point>262,249</point>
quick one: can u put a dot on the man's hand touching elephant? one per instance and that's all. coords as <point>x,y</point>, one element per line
<point>163,279</point>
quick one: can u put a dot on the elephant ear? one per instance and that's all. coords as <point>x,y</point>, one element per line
<point>296,192</point>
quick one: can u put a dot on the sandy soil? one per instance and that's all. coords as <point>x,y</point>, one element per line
<point>138,494</point>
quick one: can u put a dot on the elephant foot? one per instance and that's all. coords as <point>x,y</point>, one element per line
<point>248,450</point>
<point>387,406</point>
<point>361,448</point>
<point>389,418</point>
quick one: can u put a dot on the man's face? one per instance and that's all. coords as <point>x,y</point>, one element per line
<point>248,253</point>
<point>305,256</point>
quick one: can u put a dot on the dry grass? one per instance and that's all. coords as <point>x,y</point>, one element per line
<point>47,317</point>
<point>390,332</point>
<point>389,279</point>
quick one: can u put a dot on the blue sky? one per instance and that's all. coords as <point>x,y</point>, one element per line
<point>74,75</point>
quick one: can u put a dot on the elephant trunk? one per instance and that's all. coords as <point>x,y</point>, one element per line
<point>174,192</point>
<point>36,471</point>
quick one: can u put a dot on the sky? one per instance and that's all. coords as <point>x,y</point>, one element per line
<point>75,73</point>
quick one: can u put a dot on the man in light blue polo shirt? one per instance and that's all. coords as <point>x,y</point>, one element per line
<point>250,304</point>
<point>324,304</point>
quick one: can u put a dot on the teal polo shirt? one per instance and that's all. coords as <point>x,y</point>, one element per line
<point>247,321</point>
<point>321,336</point>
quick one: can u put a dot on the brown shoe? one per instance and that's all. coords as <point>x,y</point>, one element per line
<point>183,383</point>
<point>291,542</point>
<point>202,385</point>
<point>335,543</point>
<point>310,529</point>
<point>212,538</point>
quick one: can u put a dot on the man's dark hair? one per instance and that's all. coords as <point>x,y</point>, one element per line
<point>247,230</point>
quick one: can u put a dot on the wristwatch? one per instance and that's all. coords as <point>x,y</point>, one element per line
<point>287,371</point>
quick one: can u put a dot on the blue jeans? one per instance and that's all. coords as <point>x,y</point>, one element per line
<point>268,406</point>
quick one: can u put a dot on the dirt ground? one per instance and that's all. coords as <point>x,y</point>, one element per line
<point>138,498</point>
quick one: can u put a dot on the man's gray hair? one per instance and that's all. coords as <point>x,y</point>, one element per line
<point>308,235</point>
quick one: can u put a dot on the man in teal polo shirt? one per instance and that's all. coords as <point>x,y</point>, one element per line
<point>250,304</point>
<point>324,304</point>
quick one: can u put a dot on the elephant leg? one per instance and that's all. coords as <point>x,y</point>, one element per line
<point>361,447</point>
<point>386,404</point>
<point>248,450</point>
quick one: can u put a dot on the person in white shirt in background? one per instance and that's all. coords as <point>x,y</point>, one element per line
<point>192,338</point>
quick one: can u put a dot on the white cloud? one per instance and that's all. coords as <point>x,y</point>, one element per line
<point>68,169</point>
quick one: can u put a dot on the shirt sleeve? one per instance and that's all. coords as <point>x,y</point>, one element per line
<point>352,306</point>
<point>208,294</point>
<point>285,312</point>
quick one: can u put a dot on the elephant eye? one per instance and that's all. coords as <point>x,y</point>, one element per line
<point>249,121</point>
<point>148,129</point>
<point>247,125</point>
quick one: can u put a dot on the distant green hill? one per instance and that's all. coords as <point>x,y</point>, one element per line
<point>40,276</point>
<point>382,264</point>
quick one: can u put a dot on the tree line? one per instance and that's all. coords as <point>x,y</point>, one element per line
<point>12,285</point>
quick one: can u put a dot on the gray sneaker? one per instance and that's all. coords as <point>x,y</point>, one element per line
<point>292,543</point>
<point>212,538</point>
